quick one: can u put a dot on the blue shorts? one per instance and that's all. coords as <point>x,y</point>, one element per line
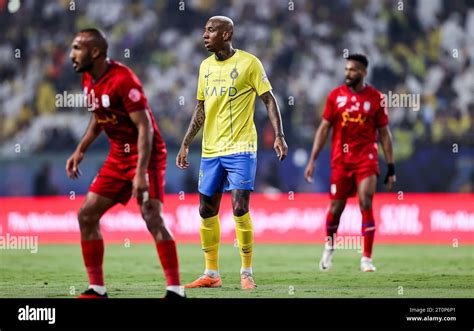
<point>226,173</point>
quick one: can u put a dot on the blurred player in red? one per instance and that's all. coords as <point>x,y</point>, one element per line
<point>357,115</point>
<point>135,166</point>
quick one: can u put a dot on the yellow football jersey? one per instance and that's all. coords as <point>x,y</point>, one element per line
<point>229,89</point>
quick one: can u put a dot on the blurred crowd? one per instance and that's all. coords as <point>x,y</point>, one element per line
<point>418,46</point>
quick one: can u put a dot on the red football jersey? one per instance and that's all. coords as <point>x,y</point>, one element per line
<point>112,98</point>
<point>355,118</point>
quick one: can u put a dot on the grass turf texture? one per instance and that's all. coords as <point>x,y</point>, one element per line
<point>281,271</point>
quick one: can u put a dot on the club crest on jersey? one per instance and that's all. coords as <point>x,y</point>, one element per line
<point>105,101</point>
<point>134,95</point>
<point>341,101</point>
<point>366,106</point>
<point>234,74</point>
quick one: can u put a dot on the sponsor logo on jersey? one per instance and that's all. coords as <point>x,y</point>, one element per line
<point>341,101</point>
<point>346,117</point>
<point>214,92</point>
<point>108,119</point>
<point>354,107</point>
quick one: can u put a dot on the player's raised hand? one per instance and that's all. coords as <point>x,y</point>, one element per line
<point>181,161</point>
<point>72,165</point>
<point>140,189</point>
<point>281,148</point>
<point>308,173</point>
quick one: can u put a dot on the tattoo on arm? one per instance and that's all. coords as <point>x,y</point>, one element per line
<point>273,111</point>
<point>197,122</point>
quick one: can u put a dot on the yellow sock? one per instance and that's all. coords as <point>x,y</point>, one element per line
<point>244,232</point>
<point>210,236</point>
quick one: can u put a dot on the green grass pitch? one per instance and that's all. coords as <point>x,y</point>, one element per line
<point>281,271</point>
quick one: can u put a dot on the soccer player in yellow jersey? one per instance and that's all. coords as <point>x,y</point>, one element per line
<point>229,81</point>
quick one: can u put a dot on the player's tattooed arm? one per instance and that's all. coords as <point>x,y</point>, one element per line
<point>280,146</point>
<point>196,124</point>
<point>319,141</point>
<point>273,112</point>
<point>197,121</point>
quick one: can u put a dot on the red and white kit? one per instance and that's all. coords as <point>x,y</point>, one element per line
<point>114,96</point>
<point>355,118</point>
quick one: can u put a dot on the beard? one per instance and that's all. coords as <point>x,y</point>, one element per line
<point>86,65</point>
<point>353,82</point>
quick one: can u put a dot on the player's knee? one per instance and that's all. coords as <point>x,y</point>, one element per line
<point>87,218</point>
<point>157,227</point>
<point>206,211</point>
<point>153,220</point>
<point>240,209</point>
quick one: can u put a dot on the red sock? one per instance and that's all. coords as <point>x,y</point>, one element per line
<point>169,261</point>
<point>93,254</point>
<point>332,223</point>
<point>368,231</point>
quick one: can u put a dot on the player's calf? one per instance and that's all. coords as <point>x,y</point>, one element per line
<point>93,254</point>
<point>165,245</point>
